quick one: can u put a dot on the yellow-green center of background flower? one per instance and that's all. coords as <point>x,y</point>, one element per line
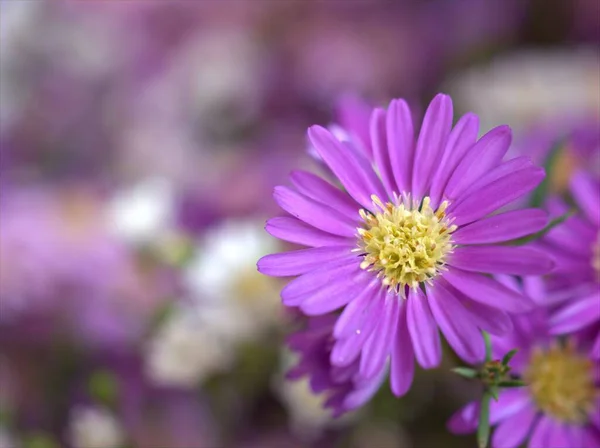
<point>405,245</point>
<point>561,382</point>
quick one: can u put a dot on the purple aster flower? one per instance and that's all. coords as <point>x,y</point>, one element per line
<point>559,407</point>
<point>407,247</point>
<point>567,144</point>
<point>345,388</point>
<point>575,246</point>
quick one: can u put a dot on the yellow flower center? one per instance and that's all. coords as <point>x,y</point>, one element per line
<point>561,382</point>
<point>406,244</point>
<point>559,178</point>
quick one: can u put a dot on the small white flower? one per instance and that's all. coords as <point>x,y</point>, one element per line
<point>530,85</point>
<point>223,275</point>
<point>142,213</point>
<point>186,350</point>
<point>95,427</point>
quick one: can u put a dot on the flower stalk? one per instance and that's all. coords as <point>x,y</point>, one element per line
<point>494,375</point>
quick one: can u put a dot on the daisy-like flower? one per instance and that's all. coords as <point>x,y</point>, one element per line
<point>405,249</point>
<point>575,246</point>
<point>342,388</point>
<point>559,407</point>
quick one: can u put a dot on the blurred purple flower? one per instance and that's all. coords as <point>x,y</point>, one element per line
<point>575,246</point>
<point>344,388</point>
<point>413,225</point>
<point>566,144</point>
<point>559,407</point>
<point>57,254</point>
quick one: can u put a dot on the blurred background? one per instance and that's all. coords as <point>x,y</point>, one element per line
<point>140,142</point>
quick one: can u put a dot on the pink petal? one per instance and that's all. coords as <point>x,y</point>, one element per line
<point>516,260</point>
<point>586,192</point>
<point>377,347</point>
<point>488,291</point>
<point>433,136</point>
<point>423,330</point>
<point>400,143</point>
<point>334,275</point>
<point>511,432</point>
<point>322,191</point>
<point>502,227</point>
<point>352,169</point>
<point>490,197</point>
<point>295,231</point>
<point>380,150</point>
<point>314,213</point>
<point>485,155</point>
<point>352,318</point>
<point>461,138</point>
<point>456,323</point>
<point>403,363</point>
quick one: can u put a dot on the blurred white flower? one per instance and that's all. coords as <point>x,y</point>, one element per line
<point>223,276</point>
<point>16,19</point>
<point>230,302</point>
<point>94,427</point>
<point>185,350</point>
<point>381,435</point>
<point>226,68</point>
<point>143,213</point>
<point>308,418</point>
<point>212,84</point>
<point>7,439</point>
<point>530,85</point>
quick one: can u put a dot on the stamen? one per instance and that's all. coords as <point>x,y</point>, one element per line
<point>561,382</point>
<point>405,243</point>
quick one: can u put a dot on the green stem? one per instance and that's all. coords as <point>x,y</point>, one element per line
<point>483,430</point>
<point>488,346</point>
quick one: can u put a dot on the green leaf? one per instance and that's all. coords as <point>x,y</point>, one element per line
<point>534,236</point>
<point>483,429</point>
<point>539,195</point>
<point>509,356</point>
<point>465,372</point>
<point>488,346</point>
<point>512,383</point>
<point>104,387</point>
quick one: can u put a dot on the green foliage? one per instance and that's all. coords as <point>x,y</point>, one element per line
<point>40,440</point>
<point>493,375</point>
<point>483,430</point>
<point>104,388</point>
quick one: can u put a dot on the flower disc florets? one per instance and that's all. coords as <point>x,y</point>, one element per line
<point>561,382</point>
<point>405,243</point>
